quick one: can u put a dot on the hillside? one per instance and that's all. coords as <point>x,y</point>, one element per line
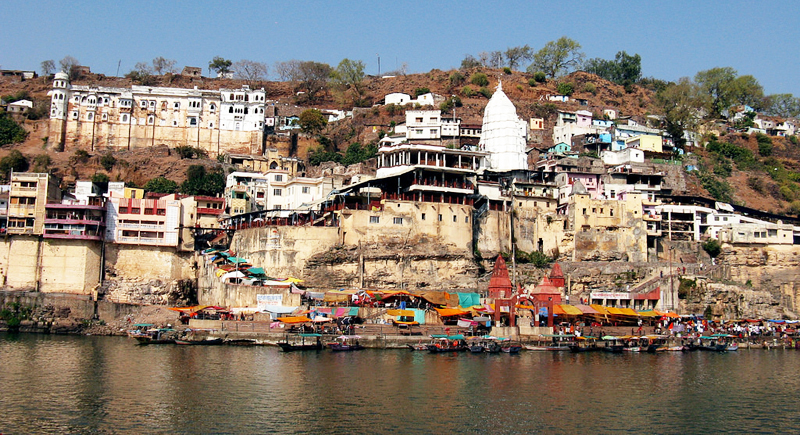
<point>751,184</point>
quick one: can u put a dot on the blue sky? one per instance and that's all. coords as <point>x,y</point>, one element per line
<point>674,38</point>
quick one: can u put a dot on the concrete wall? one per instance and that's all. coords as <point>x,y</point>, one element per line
<point>283,251</point>
<point>69,266</point>
<point>22,261</point>
<point>144,263</point>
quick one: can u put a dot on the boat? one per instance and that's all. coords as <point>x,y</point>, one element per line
<point>653,343</point>
<point>551,343</point>
<point>418,346</point>
<point>632,344</point>
<point>298,342</point>
<point>476,346</point>
<point>584,344</point>
<point>732,347</point>
<point>510,347</point>
<point>154,336</point>
<point>447,343</point>
<point>208,341</point>
<point>346,343</point>
<point>614,344</point>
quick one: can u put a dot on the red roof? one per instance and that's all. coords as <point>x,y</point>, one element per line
<point>500,284</point>
<point>556,272</point>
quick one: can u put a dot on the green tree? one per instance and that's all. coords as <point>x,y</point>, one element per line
<point>10,131</point>
<point>722,88</point>
<point>623,70</point>
<point>41,163</point>
<point>320,155</point>
<point>356,153</point>
<point>421,91</point>
<point>313,78</point>
<point>220,65</point>
<point>516,55</point>
<point>14,161</point>
<point>107,161</point>
<point>565,88</point>
<point>783,105</point>
<point>540,77</point>
<point>680,103</point>
<point>349,76</point>
<point>712,247</point>
<point>470,62</point>
<point>199,181</point>
<point>557,57</point>
<point>161,185</point>
<point>100,178</point>
<point>312,121</point>
<point>746,90</point>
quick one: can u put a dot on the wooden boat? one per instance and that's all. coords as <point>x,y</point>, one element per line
<point>445,343</point>
<point>346,343</point>
<point>551,343</point>
<point>614,344</point>
<point>418,346</point>
<point>208,341</point>
<point>153,336</point>
<point>584,344</point>
<point>510,347</point>
<point>298,342</point>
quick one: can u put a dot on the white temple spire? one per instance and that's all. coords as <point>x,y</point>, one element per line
<point>503,135</point>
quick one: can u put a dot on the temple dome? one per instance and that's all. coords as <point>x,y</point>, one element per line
<point>503,135</point>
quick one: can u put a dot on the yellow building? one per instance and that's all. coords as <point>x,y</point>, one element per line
<point>29,194</point>
<point>645,142</point>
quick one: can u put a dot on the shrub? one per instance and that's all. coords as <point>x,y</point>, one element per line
<point>421,91</point>
<point>467,91</point>
<point>540,76</point>
<point>479,79</point>
<point>10,131</point>
<point>79,156</point>
<point>794,208</point>
<point>786,192</point>
<point>100,178</point>
<point>161,185</point>
<point>485,92</point>
<point>718,189</point>
<point>107,161</point>
<point>712,247</point>
<point>565,88</point>
<point>507,70</point>
<point>190,152</point>
<point>765,149</point>
<point>41,163</point>
<point>590,87</point>
<point>456,78</point>
<point>392,109</point>
<point>755,184</point>
<point>531,82</point>
<point>15,161</point>
<point>793,139</point>
<point>539,259</point>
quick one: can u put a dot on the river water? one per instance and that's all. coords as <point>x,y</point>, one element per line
<point>73,384</point>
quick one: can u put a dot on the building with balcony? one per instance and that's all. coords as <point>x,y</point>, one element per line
<point>137,221</point>
<point>29,194</point>
<point>75,221</point>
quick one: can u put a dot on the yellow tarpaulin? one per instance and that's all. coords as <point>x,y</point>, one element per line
<point>404,313</point>
<point>600,309</point>
<point>444,312</point>
<point>569,310</point>
<point>650,313</point>
<point>296,319</point>
<point>621,311</point>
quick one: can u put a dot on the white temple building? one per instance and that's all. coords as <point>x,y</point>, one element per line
<point>503,135</point>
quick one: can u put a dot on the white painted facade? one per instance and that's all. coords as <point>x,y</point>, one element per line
<point>503,134</point>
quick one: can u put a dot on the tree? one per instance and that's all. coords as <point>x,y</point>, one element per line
<point>14,161</point>
<point>100,178</point>
<point>10,131</point>
<point>163,66</point>
<point>470,62</point>
<point>783,105</point>
<point>712,247</point>
<point>356,153</point>
<point>717,85</point>
<point>313,78</point>
<point>70,65</point>
<point>565,88</point>
<point>161,185</point>
<point>288,70</point>
<point>623,70</point>
<point>312,121</point>
<point>220,65</point>
<point>491,59</point>
<point>48,66</point>
<point>746,90</point>
<point>142,74</point>
<point>41,163</point>
<point>557,57</point>
<point>516,55</point>
<point>680,103</point>
<point>199,181</point>
<point>250,70</point>
<point>107,161</point>
<point>349,74</point>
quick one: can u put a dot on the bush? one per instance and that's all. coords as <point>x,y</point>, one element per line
<point>565,88</point>
<point>190,152</point>
<point>539,259</point>
<point>79,156</point>
<point>107,161</point>
<point>590,87</point>
<point>10,131</point>
<point>742,156</point>
<point>456,78</point>
<point>793,139</point>
<point>712,247</point>
<point>755,184</point>
<point>540,77</point>
<point>718,189</point>
<point>765,149</point>
<point>794,208</point>
<point>421,91</point>
<point>531,82</point>
<point>479,79</point>
<point>392,109</point>
<point>41,163</point>
<point>485,92</point>
<point>100,178</point>
<point>507,70</point>
<point>786,192</point>
<point>467,91</point>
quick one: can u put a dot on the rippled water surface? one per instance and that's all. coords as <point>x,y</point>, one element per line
<point>67,384</point>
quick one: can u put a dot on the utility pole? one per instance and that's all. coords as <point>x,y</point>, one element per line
<point>379,64</point>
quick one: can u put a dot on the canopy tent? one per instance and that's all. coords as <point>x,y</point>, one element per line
<point>600,309</point>
<point>447,312</point>
<point>256,271</point>
<point>280,309</point>
<point>234,274</point>
<point>568,310</point>
<point>649,313</point>
<point>585,309</point>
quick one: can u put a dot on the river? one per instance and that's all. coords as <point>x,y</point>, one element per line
<point>73,384</point>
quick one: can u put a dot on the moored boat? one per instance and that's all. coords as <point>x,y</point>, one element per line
<point>445,343</point>
<point>346,343</point>
<point>301,341</point>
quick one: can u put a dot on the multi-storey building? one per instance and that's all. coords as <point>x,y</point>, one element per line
<point>29,194</point>
<point>75,221</point>
<point>92,117</point>
<point>143,221</point>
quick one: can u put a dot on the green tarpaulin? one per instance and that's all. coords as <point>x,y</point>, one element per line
<point>256,271</point>
<point>466,300</point>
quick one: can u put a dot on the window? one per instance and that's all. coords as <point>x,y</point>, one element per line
<point>397,221</point>
<point>143,104</point>
<point>151,119</point>
<point>419,131</point>
<point>176,105</point>
<point>466,219</point>
<point>74,115</point>
<point>90,116</point>
<point>374,219</point>
<point>212,107</point>
<point>193,121</point>
<point>455,218</point>
<point>278,177</point>
<point>210,125</point>
<point>440,218</point>
<point>306,189</point>
<point>423,216</point>
<point>105,117</point>
<point>174,123</point>
<point>277,192</point>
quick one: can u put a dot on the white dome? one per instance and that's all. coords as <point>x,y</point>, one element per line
<point>61,75</point>
<point>503,135</point>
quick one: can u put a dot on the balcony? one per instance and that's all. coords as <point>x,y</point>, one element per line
<point>651,217</point>
<point>130,226</point>
<point>71,234</point>
<point>214,211</point>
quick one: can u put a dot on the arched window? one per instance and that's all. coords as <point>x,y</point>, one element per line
<point>212,107</point>
<point>230,110</point>
<point>232,97</point>
<point>245,110</point>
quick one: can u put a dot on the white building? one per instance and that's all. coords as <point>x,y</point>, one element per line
<point>503,134</point>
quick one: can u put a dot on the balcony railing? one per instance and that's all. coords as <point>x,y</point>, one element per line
<point>140,226</point>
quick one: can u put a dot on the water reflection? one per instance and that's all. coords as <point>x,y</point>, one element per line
<point>58,384</point>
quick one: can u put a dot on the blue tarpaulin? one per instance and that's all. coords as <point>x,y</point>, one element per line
<point>466,300</point>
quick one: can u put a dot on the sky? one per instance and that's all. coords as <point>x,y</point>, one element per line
<point>675,38</point>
